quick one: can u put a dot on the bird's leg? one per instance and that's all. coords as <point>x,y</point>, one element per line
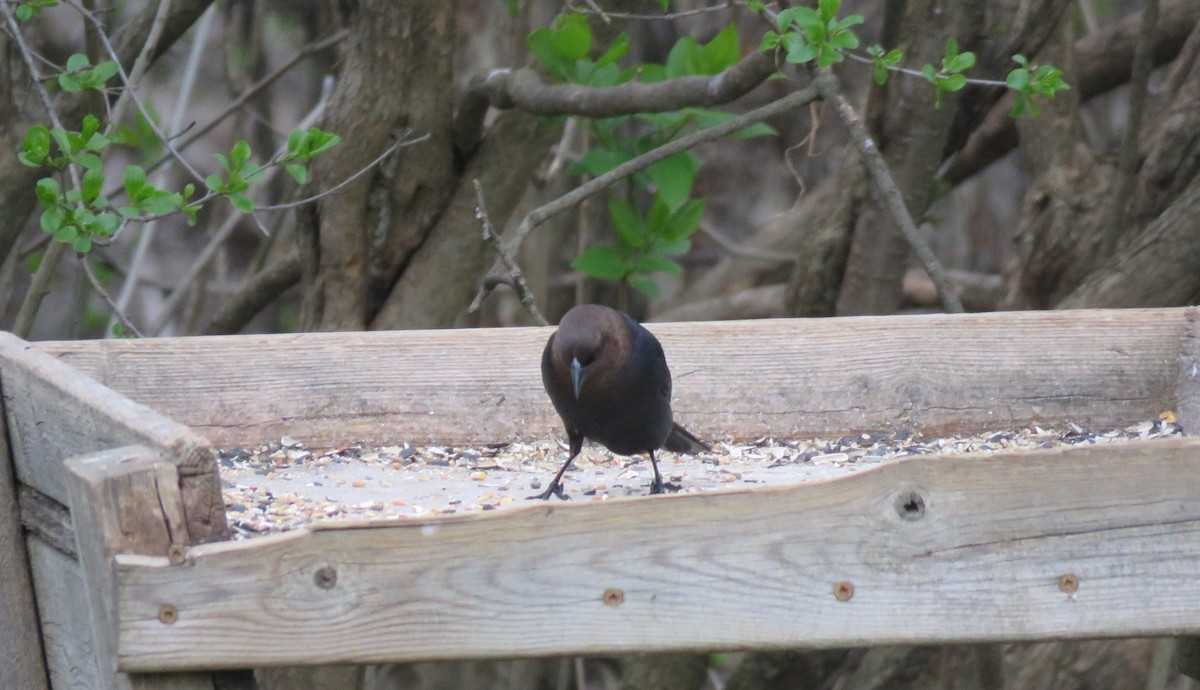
<point>555,488</point>
<point>658,486</point>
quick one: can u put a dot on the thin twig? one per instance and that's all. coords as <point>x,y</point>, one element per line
<point>252,91</point>
<point>141,248</point>
<point>827,84</point>
<point>403,143</point>
<point>652,17</point>
<point>87,269</point>
<point>39,285</point>
<point>514,270</point>
<point>139,68</point>
<point>743,252</point>
<point>539,215</point>
<point>588,189</point>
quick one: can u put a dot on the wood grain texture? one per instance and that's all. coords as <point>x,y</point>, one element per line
<point>60,589</point>
<point>55,412</point>
<point>22,663</point>
<point>125,500</point>
<point>786,377</point>
<point>47,518</point>
<point>756,569</point>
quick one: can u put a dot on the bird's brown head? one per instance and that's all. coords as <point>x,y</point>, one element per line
<point>590,342</point>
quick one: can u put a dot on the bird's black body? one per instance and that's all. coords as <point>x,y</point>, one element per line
<point>608,379</point>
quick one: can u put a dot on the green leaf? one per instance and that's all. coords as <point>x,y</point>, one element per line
<point>684,58</point>
<point>320,141</point>
<point>666,248</point>
<point>600,262</point>
<point>105,70</point>
<point>651,263</point>
<point>598,161</point>
<point>627,222</point>
<point>844,40</point>
<point>215,184</point>
<point>82,244</point>
<point>961,62</point>
<point>829,8</point>
<point>541,44</point>
<point>573,37</point>
<point>954,82</point>
<point>298,144</point>
<point>24,12</point>
<point>721,52</point>
<point>70,83</point>
<point>799,50</point>
<point>89,161</point>
<point>52,219</point>
<point>135,181</point>
<point>93,183</point>
<point>297,171</point>
<point>48,191</point>
<point>616,51</point>
<point>673,178</point>
<point>66,234</point>
<point>664,4</point>
<point>240,154</point>
<point>242,202</point>
<point>108,223</point>
<point>645,285</point>
<point>77,62</point>
<point>684,221</point>
<point>769,41</point>
<point>1018,79</point>
<point>36,145</point>
<point>159,202</point>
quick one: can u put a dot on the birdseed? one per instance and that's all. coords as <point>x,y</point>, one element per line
<point>283,485</point>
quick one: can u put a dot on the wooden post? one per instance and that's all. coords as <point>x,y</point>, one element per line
<point>1187,395</point>
<point>125,500</point>
<point>23,663</point>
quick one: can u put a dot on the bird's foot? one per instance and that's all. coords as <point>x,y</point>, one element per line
<point>658,486</point>
<point>555,489</point>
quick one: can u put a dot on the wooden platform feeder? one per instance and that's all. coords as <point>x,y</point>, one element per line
<point>116,569</point>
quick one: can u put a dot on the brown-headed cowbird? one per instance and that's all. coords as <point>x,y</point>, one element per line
<point>608,379</point>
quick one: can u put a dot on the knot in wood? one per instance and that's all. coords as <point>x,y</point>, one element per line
<point>177,554</point>
<point>910,505</point>
<point>168,614</point>
<point>613,597</point>
<point>325,577</point>
<point>1068,583</point>
<point>843,590</point>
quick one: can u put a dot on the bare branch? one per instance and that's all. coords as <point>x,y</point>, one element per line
<point>742,252</point>
<point>260,290</point>
<point>893,199</point>
<point>87,269</point>
<point>514,270</point>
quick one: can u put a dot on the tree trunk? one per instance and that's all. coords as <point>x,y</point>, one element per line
<point>912,137</point>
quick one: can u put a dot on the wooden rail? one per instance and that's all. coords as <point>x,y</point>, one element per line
<point>996,546</point>
<point>1085,542</point>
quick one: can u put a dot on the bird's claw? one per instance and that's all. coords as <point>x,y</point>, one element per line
<point>555,489</point>
<point>661,487</point>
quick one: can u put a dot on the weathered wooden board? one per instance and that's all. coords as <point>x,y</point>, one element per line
<point>125,500</point>
<point>787,377</point>
<point>1084,542</point>
<point>61,593</point>
<point>54,412</point>
<point>22,664</point>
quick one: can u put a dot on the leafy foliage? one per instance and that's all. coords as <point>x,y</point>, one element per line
<point>1030,81</point>
<point>950,77</point>
<point>32,9</point>
<point>649,241</point>
<point>82,76</point>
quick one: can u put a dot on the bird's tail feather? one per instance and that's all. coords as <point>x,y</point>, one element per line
<point>681,440</point>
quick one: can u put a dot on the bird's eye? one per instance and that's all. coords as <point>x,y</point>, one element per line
<point>587,358</point>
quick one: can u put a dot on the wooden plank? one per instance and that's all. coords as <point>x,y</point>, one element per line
<point>54,412</point>
<point>1091,541</point>
<point>60,590</point>
<point>23,664</point>
<point>47,518</point>
<point>784,377</point>
<point>125,500</point>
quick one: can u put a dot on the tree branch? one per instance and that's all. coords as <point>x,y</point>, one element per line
<point>260,290</point>
<point>514,270</point>
<point>827,85</point>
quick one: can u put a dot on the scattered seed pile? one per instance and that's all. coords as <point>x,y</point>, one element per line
<point>283,485</point>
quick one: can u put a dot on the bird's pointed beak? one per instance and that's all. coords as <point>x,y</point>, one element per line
<point>577,376</point>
